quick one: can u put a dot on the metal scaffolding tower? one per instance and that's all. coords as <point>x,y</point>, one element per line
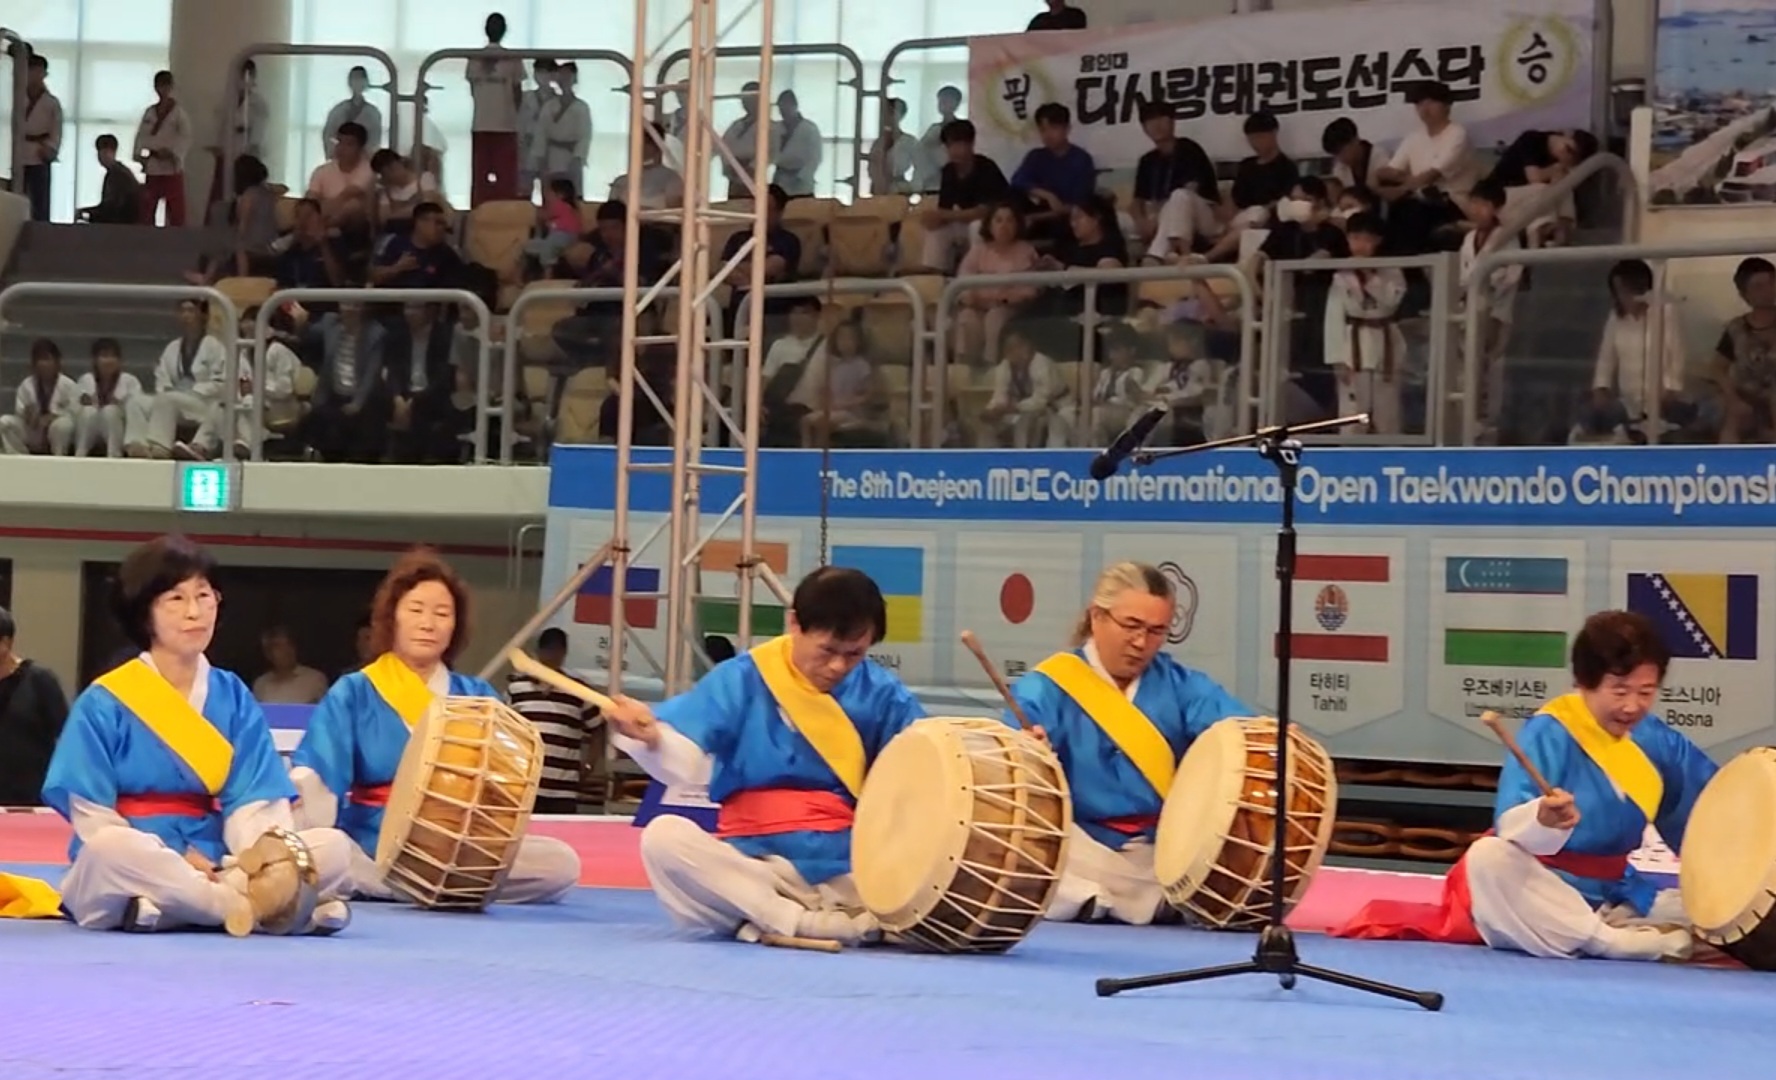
<point>662,27</point>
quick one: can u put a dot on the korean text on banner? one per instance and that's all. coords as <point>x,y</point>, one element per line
<point>1510,64</point>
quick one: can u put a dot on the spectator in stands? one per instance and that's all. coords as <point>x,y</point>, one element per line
<point>496,84</point>
<point>741,139</point>
<point>400,190</point>
<point>1027,389</point>
<point>287,681</point>
<point>849,401</point>
<point>309,258</point>
<point>39,138</point>
<point>894,156</point>
<point>188,386</point>
<point>1175,169</point>
<point>1535,160</point>
<point>792,368</point>
<point>1304,230</point>
<point>1429,175</point>
<point>1059,16</point>
<point>564,722</point>
<point>1498,297</point>
<point>564,133</point>
<point>353,110</point>
<point>252,217</point>
<point>1190,386</point>
<point>345,184</point>
<point>932,156</point>
<point>1094,241</point>
<point>105,395</point>
<point>592,334</point>
<point>44,409</point>
<point>32,712</point>
<point>1259,183</point>
<point>163,138</point>
<point>364,641</point>
<point>279,399</point>
<point>1744,365</point>
<point>423,259</point>
<point>530,121</point>
<point>657,366</point>
<point>420,374</point>
<point>350,408</point>
<point>1119,389</point>
<point>983,312</point>
<point>558,223</point>
<point>662,188</point>
<point>783,254</point>
<point>1364,345</point>
<point>1056,176</point>
<point>970,186</point>
<point>795,148</point>
<point>676,124</point>
<point>243,127</point>
<point>1632,370</point>
<point>120,197</point>
<point>1354,162</point>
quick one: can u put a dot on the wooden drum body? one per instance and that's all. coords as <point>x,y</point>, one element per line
<point>961,835</point>
<point>460,803</point>
<point>1212,854</point>
<point>1727,870</point>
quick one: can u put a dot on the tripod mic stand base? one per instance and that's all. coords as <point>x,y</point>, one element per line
<point>1275,955</point>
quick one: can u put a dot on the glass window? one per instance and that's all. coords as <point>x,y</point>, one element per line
<point>126,22</point>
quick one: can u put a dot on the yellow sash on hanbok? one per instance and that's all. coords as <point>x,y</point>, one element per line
<point>400,687</point>
<point>166,712</point>
<point>1621,759</point>
<point>819,717</point>
<point>28,898</point>
<point>1128,727</point>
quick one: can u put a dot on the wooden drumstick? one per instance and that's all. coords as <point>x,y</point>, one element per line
<point>525,665</point>
<point>1497,724</point>
<point>785,941</point>
<point>986,663</point>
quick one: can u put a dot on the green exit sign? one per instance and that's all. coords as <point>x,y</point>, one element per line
<point>207,487</point>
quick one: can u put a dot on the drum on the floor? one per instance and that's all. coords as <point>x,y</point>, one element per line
<point>1727,872</point>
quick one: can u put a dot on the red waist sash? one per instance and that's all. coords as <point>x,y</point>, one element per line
<point>773,811</point>
<point>166,805</point>
<point>1451,919</point>
<point>369,794</point>
<point>1132,825</point>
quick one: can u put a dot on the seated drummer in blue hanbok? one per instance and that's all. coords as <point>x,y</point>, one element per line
<point>782,736</point>
<point>167,771</point>
<point>1553,878</point>
<point>1120,714</point>
<point>419,622</point>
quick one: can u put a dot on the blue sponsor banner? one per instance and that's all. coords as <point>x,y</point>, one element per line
<point>1636,487</point>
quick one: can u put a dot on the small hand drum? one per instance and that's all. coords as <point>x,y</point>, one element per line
<point>1727,871</point>
<point>460,803</point>
<point>283,885</point>
<point>1212,853</point>
<point>961,835</point>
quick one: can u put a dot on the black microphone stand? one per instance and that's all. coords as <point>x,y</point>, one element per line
<point>1276,954</point>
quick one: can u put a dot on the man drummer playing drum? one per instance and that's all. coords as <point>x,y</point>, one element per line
<point>419,623</point>
<point>1119,713</point>
<point>1554,879</point>
<point>783,736</point>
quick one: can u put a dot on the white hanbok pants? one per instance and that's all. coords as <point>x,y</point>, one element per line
<point>120,864</point>
<point>15,438</point>
<point>1120,883</point>
<point>1520,904</point>
<point>101,426</point>
<point>544,871</point>
<point>706,883</point>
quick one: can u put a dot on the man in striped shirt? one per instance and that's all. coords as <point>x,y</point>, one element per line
<point>567,725</point>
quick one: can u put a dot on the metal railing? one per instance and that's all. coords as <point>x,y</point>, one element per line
<point>18,51</point>
<point>1605,255</point>
<point>482,335</point>
<point>1548,200</point>
<point>833,49</point>
<point>1088,322</point>
<point>1281,313</point>
<point>392,124</point>
<point>171,294</point>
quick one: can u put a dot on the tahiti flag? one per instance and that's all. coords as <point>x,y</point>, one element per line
<point>1347,597</point>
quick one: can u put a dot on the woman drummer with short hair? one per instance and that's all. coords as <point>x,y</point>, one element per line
<point>419,624</point>
<point>1120,714</point>
<point>167,770</point>
<point>1553,878</point>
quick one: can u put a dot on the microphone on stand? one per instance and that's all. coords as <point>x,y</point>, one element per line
<point>1105,464</point>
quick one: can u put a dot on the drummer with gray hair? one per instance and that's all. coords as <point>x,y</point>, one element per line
<point>1120,713</point>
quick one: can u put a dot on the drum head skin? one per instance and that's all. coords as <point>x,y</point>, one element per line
<point>1727,869</point>
<point>1200,809</point>
<point>912,823</point>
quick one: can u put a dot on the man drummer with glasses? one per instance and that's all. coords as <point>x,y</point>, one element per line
<point>1553,877</point>
<point>782,736</point>
<point>1119,714</point>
